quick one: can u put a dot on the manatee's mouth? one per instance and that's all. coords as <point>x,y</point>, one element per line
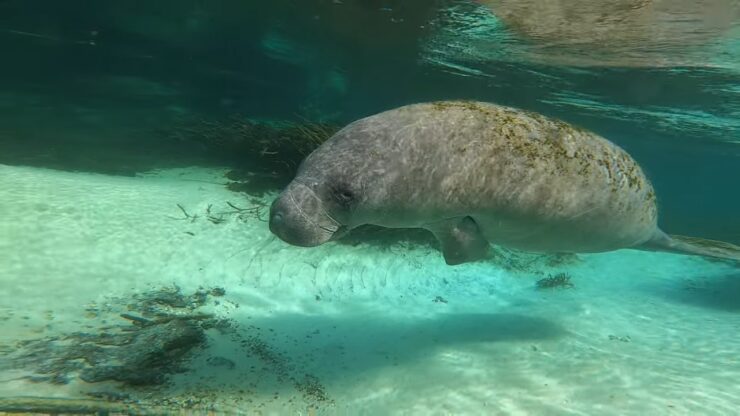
<point>298,218</point>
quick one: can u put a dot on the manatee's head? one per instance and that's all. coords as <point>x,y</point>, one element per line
<point>339,186</point>
<point>310,212</point>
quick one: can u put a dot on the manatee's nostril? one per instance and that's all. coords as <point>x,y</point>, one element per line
<point>276,221</point>
<point>277,218</point>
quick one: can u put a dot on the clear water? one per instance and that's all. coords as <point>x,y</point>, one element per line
<point>132,226</point>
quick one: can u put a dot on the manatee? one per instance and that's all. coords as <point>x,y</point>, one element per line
<point>476,174</point>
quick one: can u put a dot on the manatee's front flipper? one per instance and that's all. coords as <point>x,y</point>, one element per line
<point>461,240</point>
<point>692,245</point>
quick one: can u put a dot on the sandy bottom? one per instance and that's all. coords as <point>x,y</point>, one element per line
<point>382,329</point>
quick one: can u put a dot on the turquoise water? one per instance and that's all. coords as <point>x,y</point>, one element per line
<point>141,146</point>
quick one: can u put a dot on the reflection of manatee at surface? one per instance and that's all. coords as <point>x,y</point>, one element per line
<point>616,33</point>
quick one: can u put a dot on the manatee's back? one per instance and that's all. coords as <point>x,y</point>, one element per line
<point>538,183</point>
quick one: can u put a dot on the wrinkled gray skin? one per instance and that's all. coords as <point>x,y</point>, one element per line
<point>475,173</point>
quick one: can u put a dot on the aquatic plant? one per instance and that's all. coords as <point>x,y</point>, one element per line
<point>439,299</point>
<point>257,150</point>
<point>162,331</point>
<point>626,338</point>
<point>560,280</point>
<point>156,335</point>
<point>255,211</point>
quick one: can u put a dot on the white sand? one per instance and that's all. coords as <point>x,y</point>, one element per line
<point>641,333</point>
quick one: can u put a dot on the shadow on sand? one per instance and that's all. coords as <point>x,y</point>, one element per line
<point>314,355</point>
<point>715,292</point>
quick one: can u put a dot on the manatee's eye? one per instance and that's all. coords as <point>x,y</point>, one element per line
<point>346,195</point>
<point>343,196</point>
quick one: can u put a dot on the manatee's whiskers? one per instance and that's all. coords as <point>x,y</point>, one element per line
<point>309,219</point>
<point>337,223</point>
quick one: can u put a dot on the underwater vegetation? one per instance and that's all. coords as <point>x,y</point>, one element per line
<point>560,280</point>
<point>156,334</point>
<point>253,212</point>
<point>264,154</point>
<point>159,332</point>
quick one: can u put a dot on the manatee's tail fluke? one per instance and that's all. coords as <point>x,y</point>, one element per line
<point>692,245</point>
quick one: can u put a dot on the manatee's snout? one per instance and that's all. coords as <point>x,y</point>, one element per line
<point>298,217</point>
